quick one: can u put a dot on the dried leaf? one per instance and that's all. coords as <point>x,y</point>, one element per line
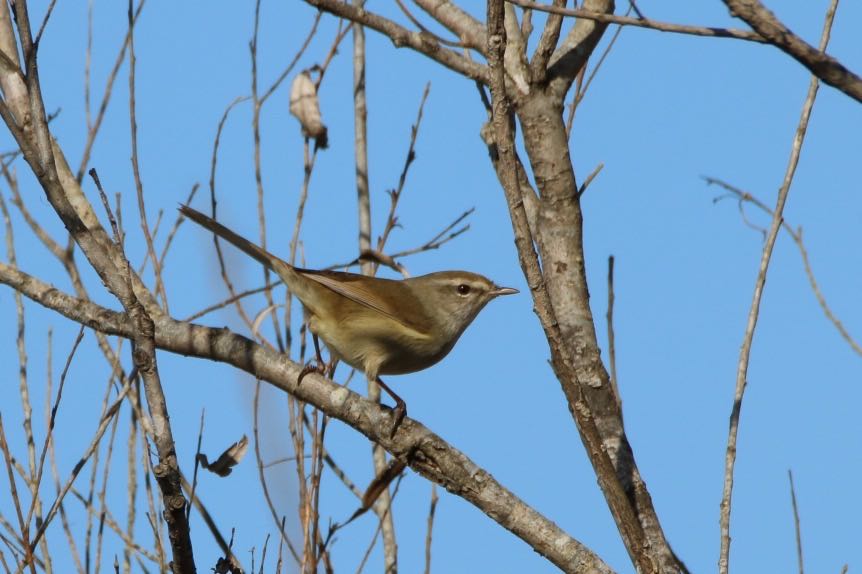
<point>305,106</point>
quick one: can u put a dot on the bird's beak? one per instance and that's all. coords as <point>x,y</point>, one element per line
<point>503,291</point>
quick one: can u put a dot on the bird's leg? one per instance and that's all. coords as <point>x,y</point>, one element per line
<point>400,410</point>
<point>316,365</point>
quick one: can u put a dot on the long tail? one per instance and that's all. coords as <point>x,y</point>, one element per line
<point>278,265</point>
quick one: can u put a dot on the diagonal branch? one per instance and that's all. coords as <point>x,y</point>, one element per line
<point>796,236</point>
<point>707,31</point>
<point>502,119</point>
<point>821,65</point>
<point>573,52</point>
<point>424,451</point>
<point>468,29</point>
<point>754,310</point>
<point>402,37</point>
<point>547,43</point>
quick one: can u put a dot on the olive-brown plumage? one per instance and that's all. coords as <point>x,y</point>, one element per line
<point>380,326</point>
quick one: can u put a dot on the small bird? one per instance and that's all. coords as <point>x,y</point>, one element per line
<point>379,326</point>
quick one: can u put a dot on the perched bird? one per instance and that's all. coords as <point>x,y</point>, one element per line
<point>379,326</point>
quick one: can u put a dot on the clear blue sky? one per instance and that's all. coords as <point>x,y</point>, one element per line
<point>664,111</point>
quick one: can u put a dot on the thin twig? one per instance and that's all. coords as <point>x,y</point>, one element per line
<point>13,490</point>
<point>94,468</point>
<point>93,128</point>
<point>49,392</point>
<point>590,179</point>
<point>44,24</point>
<point>172,233</point>
<point>94,443</point>
<point>103,507</point>
<point>432,509</point>
<point>258,172</point>
<point>796,524</point>
<point>395,195</point>
<point>196,464</point>
<point>289,68</point>
<point>213,202</point>
<point>582,87</point>
<point>642,22</point>
<point>612,350</point>
<point>139,186</point>
<point>225,547</point>
<point>131,489</point>
<point>796,235</point>
<point>754,311</point>
<point>53,418</point>
<point>23,390</point>
<point>262,476</point>
<point>377,531</point>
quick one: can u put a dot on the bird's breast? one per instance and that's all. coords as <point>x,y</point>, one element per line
<point>378,345</point>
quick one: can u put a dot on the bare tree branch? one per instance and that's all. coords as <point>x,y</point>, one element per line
<point>573,52</point>
<point>796,236</point>
<point>754,311</point>
<point>424,451</point>
<point>504,139</point>
<point>821,65</point>
<point>709,32</point>
<point>401,37</point>
<point>796,523</point>
<point>468,29</point>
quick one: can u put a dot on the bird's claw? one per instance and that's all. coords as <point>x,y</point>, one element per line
<point>311,367</point>
<point>398,414</point>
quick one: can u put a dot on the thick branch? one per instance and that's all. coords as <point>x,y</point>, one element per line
<point>424,451</point>
<point>470,31</point>
<point>821,65</point>
<point>561,360</point>
<point>401,37</point>
<point>574,51</point>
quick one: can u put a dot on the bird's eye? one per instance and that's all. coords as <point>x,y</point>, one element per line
<point>463,289</point>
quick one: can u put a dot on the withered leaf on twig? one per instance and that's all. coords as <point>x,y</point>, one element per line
<point>305,106</point>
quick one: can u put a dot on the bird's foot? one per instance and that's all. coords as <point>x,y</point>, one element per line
<point>398,414</point>
<point>312,366</point>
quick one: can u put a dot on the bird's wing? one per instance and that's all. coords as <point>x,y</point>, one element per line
<point>342,284</point>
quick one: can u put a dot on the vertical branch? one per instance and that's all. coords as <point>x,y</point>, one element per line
<point>93,126</point>
<point>131,489</point>
<point>308,167</point>
<point>23,385</point>
<point>13,490</point>
<point>360,113</point>
<point>213,202</point>
<point>754,310</point>
<point>94,469</point>
<point>431,512</point>
<point>139,187</point>
<point>23,382</point>
<point>503,125</point>
<point>262,475</point>
<point>258,173</point>
<point>612,349</point>
<point>103,507</point>
<point>49,443</point>
<point>167,470</point>
<point>148,486</point>
<point>796,524</point>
